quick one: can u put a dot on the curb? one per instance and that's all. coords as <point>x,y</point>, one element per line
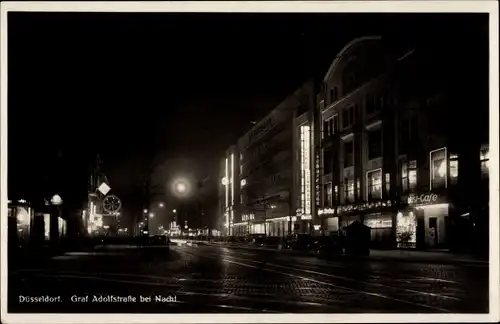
<point>375,258</point>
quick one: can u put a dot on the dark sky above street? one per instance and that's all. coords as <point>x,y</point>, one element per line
<point>177,87</point>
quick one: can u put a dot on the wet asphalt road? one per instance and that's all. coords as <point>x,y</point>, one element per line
<point>206,279</point>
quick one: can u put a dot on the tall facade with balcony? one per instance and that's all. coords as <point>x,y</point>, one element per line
<point>390,144</point>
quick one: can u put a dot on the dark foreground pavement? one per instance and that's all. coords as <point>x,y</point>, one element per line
<point>201,279</point>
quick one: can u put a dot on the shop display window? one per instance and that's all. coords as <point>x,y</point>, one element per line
<point>406,230</point>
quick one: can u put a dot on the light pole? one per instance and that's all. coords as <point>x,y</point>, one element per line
<point>146,220</point>
<point>56,202</point>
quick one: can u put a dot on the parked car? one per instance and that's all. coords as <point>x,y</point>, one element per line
<point>159,240</point>
<point>300,242</point>
<point>328,247</point>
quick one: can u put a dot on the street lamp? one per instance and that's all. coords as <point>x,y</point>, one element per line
<point>181,187</point>
<point>145,211</point>
<point>151,215</point>
<point>161,205</point>
<point>56,200</point>
<point>174,211</point>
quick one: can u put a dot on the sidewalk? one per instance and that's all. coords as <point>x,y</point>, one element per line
<point>425,256</point>
<point>379,255</point>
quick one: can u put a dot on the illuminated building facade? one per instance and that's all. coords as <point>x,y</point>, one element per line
<point>27,226</point>
<point>229,186</point>
<point>95,219</point>
<point>257,185</point>
<point>391,149</point>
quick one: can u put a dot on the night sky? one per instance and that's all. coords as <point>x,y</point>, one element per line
<point>177,88</point>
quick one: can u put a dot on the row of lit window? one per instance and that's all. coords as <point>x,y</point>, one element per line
<point>408,169</point>
<point>374,103</point>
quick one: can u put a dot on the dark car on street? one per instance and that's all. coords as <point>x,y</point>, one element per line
<point>302,242</point>
<point>159,240</point>
<point>328,247</point>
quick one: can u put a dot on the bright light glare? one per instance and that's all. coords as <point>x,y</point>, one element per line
<point>151,215</point>
<point>56,200</point>
<point>442,169</point>
<point>181,187</point>
<point>174,211</point>
<point>145,211</point>
<point>162,205</point>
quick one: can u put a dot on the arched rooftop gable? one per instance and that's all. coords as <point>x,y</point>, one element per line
<point>340,55</point>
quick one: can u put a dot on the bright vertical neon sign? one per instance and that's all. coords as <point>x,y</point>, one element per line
<point>305,148</point>
<point>232,179</point>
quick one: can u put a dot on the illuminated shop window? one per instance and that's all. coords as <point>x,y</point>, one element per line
<point>453,168</point>
<point>485,160</point>
<point>438,169</point>
<point>349,191</point>
<point>337,194</point>
<point>406,230</point>
<point>374,179</point>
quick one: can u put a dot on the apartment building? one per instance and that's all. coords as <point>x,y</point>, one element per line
<point>264,172</point>
<point>388,145</point>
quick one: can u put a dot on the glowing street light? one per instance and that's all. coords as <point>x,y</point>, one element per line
<point>181,187</point>
<point>56,200</point>
<point>145,211</point>
<point>174,211</point>
<point>161,205</point>
<point>151,215</point>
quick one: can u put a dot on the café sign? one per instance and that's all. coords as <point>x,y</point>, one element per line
<point>423,199</point>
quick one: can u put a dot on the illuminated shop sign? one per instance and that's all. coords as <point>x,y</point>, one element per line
<point>357,207</point>
<point>326,211</point>
<point>247,217</point>
<point>305,147</point>
<point>363,206</point>
<point>423,199</point>
<point>306,217</point>
<point>318,179</point>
